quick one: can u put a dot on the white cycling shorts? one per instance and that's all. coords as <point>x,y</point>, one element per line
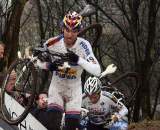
<point>65,96</point>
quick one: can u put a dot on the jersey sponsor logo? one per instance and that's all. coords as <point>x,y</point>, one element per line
<point>85,47</point>
<point>69,74</point>
<point>114,108</point>
<point>97,110</point>
<point>102,103</point>
<point>91,59</point>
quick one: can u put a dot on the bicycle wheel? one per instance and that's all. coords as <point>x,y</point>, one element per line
<point>128,84</point>
<point>18,91</point>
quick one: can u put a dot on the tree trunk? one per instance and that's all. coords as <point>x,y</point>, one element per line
<point>145,94</point>
<point>12,28</point>
<point>40,19</point>
<point>146,105</point>
<point>136,112</point>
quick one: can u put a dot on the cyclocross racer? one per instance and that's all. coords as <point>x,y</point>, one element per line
<point>103,105</point>
<point>66,88</point>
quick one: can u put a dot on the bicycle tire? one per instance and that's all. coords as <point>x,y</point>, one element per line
<point>7,115</point>
<point>134,90</point>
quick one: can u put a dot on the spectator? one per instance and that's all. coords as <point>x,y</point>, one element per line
<point>11,82</point>
<point>40,110</point>
<point>2,49</point>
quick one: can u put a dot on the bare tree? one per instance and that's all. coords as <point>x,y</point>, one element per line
<point>10,36</point>
<point>136,21</point>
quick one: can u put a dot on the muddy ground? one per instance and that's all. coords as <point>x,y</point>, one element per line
<point>145,125</point>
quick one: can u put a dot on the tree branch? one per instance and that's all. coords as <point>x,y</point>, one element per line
<point>113,21</point>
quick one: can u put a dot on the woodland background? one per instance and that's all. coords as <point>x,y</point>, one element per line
<point>130,39</point>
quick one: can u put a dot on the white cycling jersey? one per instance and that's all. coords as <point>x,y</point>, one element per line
<point>83,49</point>
<point>66,86</point>
<point>104,108</point>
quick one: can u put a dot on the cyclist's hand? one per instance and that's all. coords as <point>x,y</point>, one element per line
<point>53,66</point>
<point>39,51</point>
<point>44,57</point>
<point>72,57</point>
<point>39,64</point>
<point>84,112</point>
<point>114,118</point>
<point>36,52</point>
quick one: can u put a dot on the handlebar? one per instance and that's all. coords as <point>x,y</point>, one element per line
<point>43,51</point>
<point>86,116</point>
<point>45,55</point>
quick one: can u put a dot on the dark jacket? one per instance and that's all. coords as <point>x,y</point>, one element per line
<point>41,115</point>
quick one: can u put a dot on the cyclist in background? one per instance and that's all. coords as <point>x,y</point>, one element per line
<point>65,91</point>
<point>103,105</point>
<point>2,51</point>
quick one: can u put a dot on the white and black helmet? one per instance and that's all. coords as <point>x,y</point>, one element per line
<point>92,85</point>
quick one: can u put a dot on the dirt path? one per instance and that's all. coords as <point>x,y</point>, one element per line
<point>145,125</point>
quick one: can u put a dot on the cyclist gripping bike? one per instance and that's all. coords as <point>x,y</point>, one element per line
<point>102,107</point>
<point>66,88</point>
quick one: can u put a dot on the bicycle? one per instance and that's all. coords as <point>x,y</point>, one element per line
<point>24,88</point>
<point>107,123</point>
<point>124,87</point>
